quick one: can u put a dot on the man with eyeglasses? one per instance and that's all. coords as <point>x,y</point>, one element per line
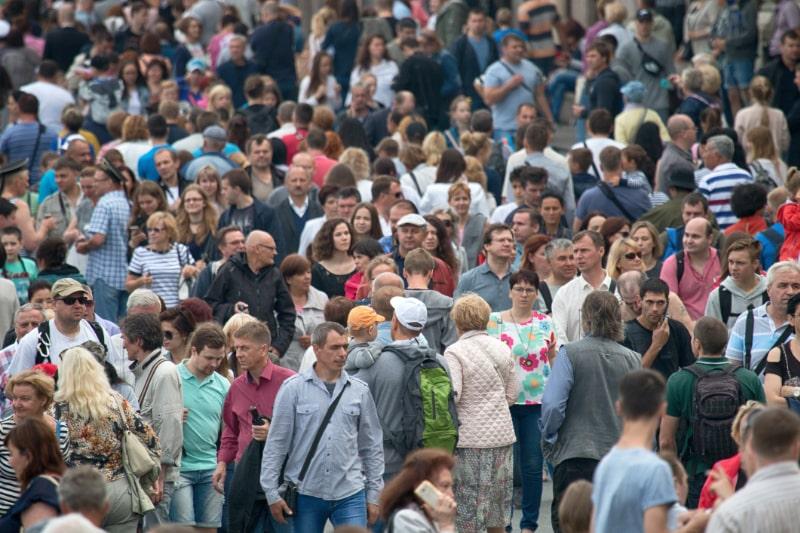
<point>386,190</point>
<point>491,280</point>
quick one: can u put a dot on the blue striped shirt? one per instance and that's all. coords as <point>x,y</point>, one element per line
<point>110,261</point>
<point>19,141</point>
<point>717,186</point>
<point>765,334</point>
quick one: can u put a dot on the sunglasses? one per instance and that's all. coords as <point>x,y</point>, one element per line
<point>447,223</point>
<point>168,335</point>
<point>630,256</point>
<point>71,300</point>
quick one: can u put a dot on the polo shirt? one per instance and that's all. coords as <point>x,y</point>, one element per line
<point>717,186</point>
<point>765,334</point>
<point>485,283</point>
<point>680,402</point>
<point>203,400</point>
<point>694,287</point>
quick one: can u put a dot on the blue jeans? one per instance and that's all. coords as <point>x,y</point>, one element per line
<point>561,83</point>
<point>109,303</point>
<point>528,454</point>
<point>195,502</point>
<point>312,513</point>
<point>265,523</point>
<point>738,73</point>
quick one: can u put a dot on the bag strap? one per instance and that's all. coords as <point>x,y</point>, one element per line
<point>159,360</point>
<point>725,303</point>
<point>648,57</point>
<point>32,162</point>
<point>749,324</point>
<point>547,296</point>
<point>510,71</point>
<point>594,167</point>
<point>320,431</point>
<point>609,193</point>
<point>416,183</point>
<point>763,363</point>
<point>680,265</point>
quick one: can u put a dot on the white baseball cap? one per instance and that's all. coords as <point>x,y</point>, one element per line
<point>412,219</point>
<point>410,312</point>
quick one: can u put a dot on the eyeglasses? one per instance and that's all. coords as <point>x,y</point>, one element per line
<point>267,247</point>
<point>168,335</point>
<point>630,256</point>
<point>71,300</point>
<point>524,290</point>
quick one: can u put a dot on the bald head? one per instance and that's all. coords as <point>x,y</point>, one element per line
<point>260,249</point>
<point>387,279</point>
<point>681,130</point>
<point>80,151</point>
<point>629,282</point>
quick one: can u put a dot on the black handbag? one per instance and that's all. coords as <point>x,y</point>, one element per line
<point>288,489</point>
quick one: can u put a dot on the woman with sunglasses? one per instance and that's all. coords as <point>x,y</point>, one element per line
<point>646,236</point>
<point>177,325</point>
<point>624,256</point>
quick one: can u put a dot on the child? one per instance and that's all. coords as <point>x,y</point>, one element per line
<point>681,481</point>
<point>580,161</point>
<point>364,251</point>
<point>789,217</point>
<point>575,509</point>
<point>363,325</point>
<point>19,270</point>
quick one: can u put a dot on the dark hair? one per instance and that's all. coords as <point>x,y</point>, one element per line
<point>66,162</point>
<point>181,319</point>
<point>303,114</point>
<point>595,237</point>
<point>789,34</point>
<point>353,135</point>
<point>337,309</point>
<point>348,11</point>
<point>348,192</point>
<point>363,59</point>
<point>794,302</point>
<point>27,103</point>
<point>145,328</point>
<point>610,159</point>
<point>534,175</point>
<point>35,437</point>
<point>451,166</point>
<point>12,231</point>
<point>712,335</point>
<point>239,178</point>
<point>641,394</point>
<point>549,194</point>
<point>747,199</point>
<point>600,121</point>
<point>648,137</point>
<point>491,229</point>
<point>694,198</point>
<point>524,276</point>
<point>322,246</point>
<point>654,285</point>
<point>601,48</point>
<point>444,247</point>
<point>375,231</point>
<point>481,121</point>
<point>208,334</point>
<point>536,135</point>
<point>316,139</point>
<point>157,126</point>
<point>36,286</point>
<point>532,245</point>
<point>315,79</point>
<point>293,265</point>
<point>49,69</point>
<point>406,23</point>
<point>637,154</point>
<point>52,252</point>
<point>419,465</point>
<point>368,247</point>
<point>384,166</point>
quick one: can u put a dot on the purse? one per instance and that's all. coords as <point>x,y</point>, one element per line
<point>184,283</point>
<point>288,489</point>
<point>135,456</point>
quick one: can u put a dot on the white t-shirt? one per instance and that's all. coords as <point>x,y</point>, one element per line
<point>25,357</point>
<point>596,145</point>
<point>52,101</point>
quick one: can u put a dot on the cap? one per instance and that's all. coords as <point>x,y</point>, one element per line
<point>682,178</point>
<point>66,141</point>
<point>634,91</point>
<point>196,64</point>
<point>410,312</point>
<point>363,316</point>
<point>65,287</point>
<point>412,219</point>
<point>644,15</point>
<point>215,133</point>
<point>12,168</point>
<point>5,29</point>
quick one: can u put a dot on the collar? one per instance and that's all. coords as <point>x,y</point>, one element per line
<point>605,284</point>
<point>726,166</point>
<point>310,374</point>
<point>722,360</point>
<point>266,373</point>
<point>473,333</point>
<point>408,342</point>
<point>484,269</point>
<point>784,468</point>
<point>137,367</point>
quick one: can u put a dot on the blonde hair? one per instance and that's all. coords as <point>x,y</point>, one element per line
<point>761,143</point>
<point>619,247</point>
<point>83,384</point>
<point>658,249</point>
<point>470,313</point>
<point>134,128</point>
<point>170,226</point>
<point>475,143</point>
<point>40,382</point>
<point>320,22</point>
<point>575,508</point>
<point>616,12</point>
<point>474,171</point>
<point>357,160</point>
<point>215,92</point>
<point>712,80</point>
<point>234,323</point>
<point>744,411</point>
<point>456,188</point>
<point>433,146</point>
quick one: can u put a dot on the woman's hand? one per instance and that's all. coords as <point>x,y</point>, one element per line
<point>305,341</point>
<point>721,485</point>
<point>189,271</point>
<point>443,513</point>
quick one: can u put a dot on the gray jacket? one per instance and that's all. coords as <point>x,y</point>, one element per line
<point>440,332</point>
<point>472,239</point>
<point>740,300</point>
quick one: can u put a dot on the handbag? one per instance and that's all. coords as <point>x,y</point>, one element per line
<point>135,456</point>
<point>184,284</point>
<point>288,489</point>
<point>650,64</point>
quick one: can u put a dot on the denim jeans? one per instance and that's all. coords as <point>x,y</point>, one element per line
<point>195,502</point>
<point>264,523</point>
<point>109,303</point>
<point>312,513</point>
<point>528,455</point>
<point>560,84</point>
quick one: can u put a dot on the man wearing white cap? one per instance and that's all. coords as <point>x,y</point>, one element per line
<point>410,234</point>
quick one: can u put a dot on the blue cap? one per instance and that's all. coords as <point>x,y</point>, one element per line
<point>196,64</point>
<point>634,91</point>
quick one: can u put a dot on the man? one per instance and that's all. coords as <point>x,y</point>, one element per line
<point>251,282</point>
<point>237,69</point>
<point>26,318</point>
<point>439,331</point>
<point>509,82</point>
<point>376,124</point>
<point>695,101</point>
<point>158,131</point>
<point>158,387</point>
<point>780,71</point>
<point>474,52</point>
<point>266,177</point>
<point>717,186</point>
<point>272,44</point>
<point>256,388</point>
<point>744,288</point>
<point>559,179</point>
<point>537,19</point>
<point>302,116</point>
<point>633,488</point>
<point>171,112</point>
<point>346,469</point>
<point>769,500</point>
<point>662,341</point>
<point>61,207</point>
<point>169,177</point>
<point>52,97</point>
<point>561,258</point>
<point>518,179</point>
<point>405,28</point>
<point>385,192</point>
<point>83,490</point>
<point>128,38</point>
<point>65,41</point>
<point>603,84</point>
<point>209,13</point>
<point>27,138</point>
<point>244,211</point>
<point>359,105</point>
<point>15,188</point>
<point>302,160</point>
<point>534,182</point>
<point>733,385</point>
<point>293,213</point>
<point>734,38</point>
<point>680,183</point>
<point>214,140</point>
<point>771,327</point>
<point>693,205</point>
<point>422,76</point>
<point>599,126</point>
<point>611,196</point>
<point>329,201</point>
<point>346,201</point>
<point>230,241</point>
<point>204,393</point>
<point>200,121</point>
<point>589,250</point>
<point>315,143</point>
<point>648,59</point>
<point>677,151</point>
<point>410,235</point>
<point>285,120</point>
<point>582,391</point>
<point>491,279</point>
<point>78,149</point>
<point>261,118</point>
<point>107,244</point>
<point>398,210</point>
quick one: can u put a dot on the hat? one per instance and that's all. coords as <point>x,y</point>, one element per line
<point>634,91</point>
<point>65,287</point>
<point>362,317</point>
<point>644,15</point>
<point>196,64</point>
<point>412,219</point>
<point>12,168</point>
<point>410,312</point>
<point>682,178</point>
<point>215,133</point>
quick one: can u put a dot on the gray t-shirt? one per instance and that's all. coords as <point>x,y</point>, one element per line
<point>629,59</point>
<point>504,112</point>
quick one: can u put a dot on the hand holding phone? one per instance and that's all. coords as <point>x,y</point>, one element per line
<point>439,506</point>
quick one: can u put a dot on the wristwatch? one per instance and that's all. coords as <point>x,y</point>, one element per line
<point>796,392</point>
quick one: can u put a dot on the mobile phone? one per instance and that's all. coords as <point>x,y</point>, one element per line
<point>257,419</point>
<point>429,494</point>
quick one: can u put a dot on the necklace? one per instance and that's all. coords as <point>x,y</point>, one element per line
<point>527,341</point>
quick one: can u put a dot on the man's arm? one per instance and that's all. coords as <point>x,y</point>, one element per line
<point>370,447</point>
<point>542,102</point>
<point>659,340</point>
<point>279,440</point>
<point>556,396</point>
<point>167,414</point>
<point>666,435</point>
<point>216,296</point>
<point>493,95</point>
<point>655,519</point>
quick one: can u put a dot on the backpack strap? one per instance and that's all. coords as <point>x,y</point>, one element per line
<point>612,287</point>
<point>43,344</point>
<point>763,363</point>
<point>725,303</point>
<point>98,330</point>
<point>594,167</point>
<point>772,235</point>
<point>680,265</point>
<point>547,296</point>
<point>749,324</point>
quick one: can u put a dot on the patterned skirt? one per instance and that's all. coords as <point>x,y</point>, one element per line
<point>483,485</point>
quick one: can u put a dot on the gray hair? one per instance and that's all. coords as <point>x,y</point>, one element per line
<point>555,245</point>
<point>722,145</point>
<point>286,110</point>
<point>83,488</point>
<point>71,523</point>
<point>630,281</point>
<point>692,79</point>
<point>779,267</point>
<point>143,298</point>
<point>359,85</point>
<point>320,334</point>
<point>29,307</point>
<point>238,37</point>
<point>601,316</point>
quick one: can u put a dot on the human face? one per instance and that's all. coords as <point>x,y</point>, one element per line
<point>595,61</point>
<point>695,239</point>
<point>332,355</point>
<point>521,225</point>
<point>533,193</point>
<point>166,164</point>
<point>18,460</point>
<point>785,284</point>
<point>431,241</point>
<point>443,480</point>
<point>157,234</point>
<point>448,223</point>
<point>462,113</point>
<point>361,262</point>
<point>193,33</point>
<point>173,340</point>
<point>341,238</point>
<point>325,67</point>
<point>362,221</point>
<point>300,282</point>
<point>691,211</point>
<point>410,237</point>
<point>587,255</point>
<point>12,245</point>
<point>501,246</point>
<point>654,308</point>
<point>71,308</point>
<point>297,183</point>
<point>26,402</point>
<point>234,243</point>
<point>207,360</point>
<point>514,51</point>
<point>261,154</point>
<point>523,295</point>
<point>43,298</point>
<point>209,186</point>
<point>621,234</point>
<point>345,206</point>
<point>263,250</point>
<point>644,239</point>
<point>87,186</point>
<point>540,263</point>
<point>330,207</point>
<point>644,28</point>
<point>193,202</point>
<point>790,51</point>
<point>460,204</point>
<point>563,263</point>
<point>525,115</point>
<point>249,355</point>
<point>551,211</point>
<point>376,49</point>
<point>595,223</point>
<point>147,204</point>
<point>79,151</point>
<point>231,194</point>
<point>631,259</point>
<point>741,266</point>
<point>476,24</point>
<point>27,321</point>
<point>359,98</point>
<point>222,101</point>
<point>236,49</point>
<point>130,73</point>
<point>518,191</point>
<point>632,300</point>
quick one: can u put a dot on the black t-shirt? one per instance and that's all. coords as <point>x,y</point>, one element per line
<point>243,218</point>
<point>676,353</point>
<point>787,367</point>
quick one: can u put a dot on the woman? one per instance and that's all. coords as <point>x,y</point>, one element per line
<point>374,59</point>
<point>31,395</point>
<point>460,115</point>
<point>320,87</point>
<point>700,19</point>
<point>616,14</point>
<point>366,222</point>
<point>450,219</point>
<point>208,179</point>
<point>760,113</point>
<point>377,266</point>
<point>645,235</point>
<point>163,262</point>
<point>343,36</point>
<point>38,466</point>
<point>148,198</point>
<point>438,244</point>
<point>451,170</point>
<point>782,373</point>
<point>624,256</point>
<point>320,23</point>
<point>135,141</point>
<point>197,220</point>
<point>192,47</point>
<point>479,146</point>
<point>533,256</point>
<point>484,384</point>
<point>150,50</point>
<point>309,304</point>
<point>220,101</point>
<point>594,221</point>
<point>403,510</point>
<point>333,251</point>
<point>94,413</point>
<point>177,325</point>
<point>156,75</point>
<point>532,340</point>
<point>766,165</point>
<point>18,60</point>
<point>468,231</point>
<point>364,251</point>
<point>613,229</point>
<point>135,97</point>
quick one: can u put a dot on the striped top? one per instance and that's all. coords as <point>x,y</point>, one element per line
<point>536,18</point>
<point>717,186</point>
<point>19,142</point>
<point>765,334</point>
<point>164,267</point>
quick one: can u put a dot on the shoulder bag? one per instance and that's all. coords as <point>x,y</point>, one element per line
<point>135,456</point>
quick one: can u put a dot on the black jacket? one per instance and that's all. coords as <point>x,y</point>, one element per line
<point>261,118</point>
<point>264,220</point>
<point>246,489</point>
<point>264,292</point>
<point>604,93</point>
<point>469,68</point>
<point>423,76</point>
<point>285,217</point>
<point>782,79</point>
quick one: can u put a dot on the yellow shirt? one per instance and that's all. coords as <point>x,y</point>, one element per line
<point>628,123</point>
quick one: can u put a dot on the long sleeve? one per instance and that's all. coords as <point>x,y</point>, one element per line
<point>455,372</point>
<point>606,91</point>
<point>167,413</point>
<point>216,298</point>
<point>556,396</point>
<point>230,430</point>
<point>279,440</point>
<point>284,309</point>
<point>560,318</point>
<point>370,447</point>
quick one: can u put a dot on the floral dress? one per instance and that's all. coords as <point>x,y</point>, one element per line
<point>530,344</point>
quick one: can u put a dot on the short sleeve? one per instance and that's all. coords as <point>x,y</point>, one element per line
<point>674,389</point>
<point>735,349</point>
<point>101,218</point>
<point>659,487</point>
<point>493,77</point>
<point>136,265</point>
<point>777,368</point>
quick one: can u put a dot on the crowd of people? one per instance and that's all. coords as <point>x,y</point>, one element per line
<point>396,264</point>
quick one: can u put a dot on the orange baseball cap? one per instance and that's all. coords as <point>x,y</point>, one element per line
<point>363,316</point>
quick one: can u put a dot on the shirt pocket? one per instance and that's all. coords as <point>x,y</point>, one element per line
<point>307,412</point>
<point>351,416</point>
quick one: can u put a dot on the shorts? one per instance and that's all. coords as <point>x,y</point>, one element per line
<point>195,502</point>
<point>738,73</point>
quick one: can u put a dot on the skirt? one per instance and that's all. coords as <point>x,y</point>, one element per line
<point>483,485</point>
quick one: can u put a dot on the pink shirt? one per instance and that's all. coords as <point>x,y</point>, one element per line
<point>244,394</point>
<point>694,286</point>
<point>322,164</point>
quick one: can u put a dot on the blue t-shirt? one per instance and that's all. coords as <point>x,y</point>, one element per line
<point>635,201</point>
<point>504,112</point>
<point>481,47</point>
<point>628,482</point>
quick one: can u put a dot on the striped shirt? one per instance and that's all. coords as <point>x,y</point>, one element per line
<point>717,186</point>
<point>536,18</point>
<point>19,142</point>
<point>110,261</point>
<point>164,267</point>
<point>765,334</point>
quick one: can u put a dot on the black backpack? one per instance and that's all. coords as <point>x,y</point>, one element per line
<point>726,302</point>
<point>717,397</point>
<point>43,344</point>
